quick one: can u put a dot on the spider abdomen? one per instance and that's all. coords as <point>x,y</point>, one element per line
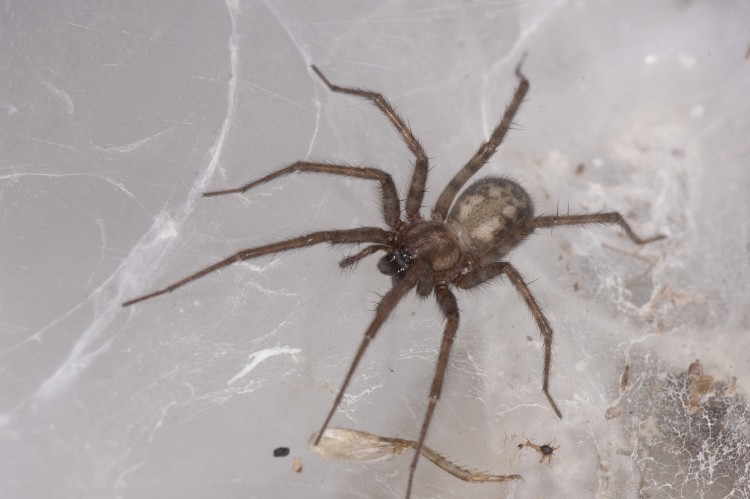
<point>490,215</point>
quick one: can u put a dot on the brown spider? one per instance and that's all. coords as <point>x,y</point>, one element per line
<point>463,247</point>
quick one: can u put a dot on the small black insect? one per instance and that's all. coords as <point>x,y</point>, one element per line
<point>461,245</point>
<point>281,452</point>
<point>547,451</point>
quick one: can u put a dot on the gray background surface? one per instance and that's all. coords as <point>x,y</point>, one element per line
<point>115,116</point>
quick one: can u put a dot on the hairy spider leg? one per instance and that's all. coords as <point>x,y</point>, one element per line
<point>485,151</point>
<point>494,270</point>
<point>350,236</point>
<point>352,260</point>
<point>449,307</point>
<point>389,195</point>
<point>343,444</point>
<point>382,312</point>
<point>421,164</point>
<point>611,217</point>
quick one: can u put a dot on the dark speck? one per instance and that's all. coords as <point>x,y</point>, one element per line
<point>281,452</point>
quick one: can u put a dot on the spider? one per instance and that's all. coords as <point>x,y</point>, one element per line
<point>547,451</point>
<point>462,245</point>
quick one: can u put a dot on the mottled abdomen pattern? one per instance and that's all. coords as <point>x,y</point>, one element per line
<point>486,216</point>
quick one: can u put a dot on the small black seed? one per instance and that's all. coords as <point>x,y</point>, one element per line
<point>281,452</point>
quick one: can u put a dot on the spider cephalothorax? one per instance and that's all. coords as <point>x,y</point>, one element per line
<point>461,249</point>
<point>421,241</point>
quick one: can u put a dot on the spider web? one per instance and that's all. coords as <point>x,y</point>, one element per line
<point>115,120</point>
<point>689,435</point>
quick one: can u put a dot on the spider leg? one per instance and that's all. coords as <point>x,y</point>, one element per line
<point>462,473</point>
<point>350,236</point>
<point>448,306</point>
<point>354,259</point>
<point>486,150</point>
<point>421,165</point>
<point>391,204</point>
<point>382,312</point>
<point>493,270</point>
<point>612,217</point>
